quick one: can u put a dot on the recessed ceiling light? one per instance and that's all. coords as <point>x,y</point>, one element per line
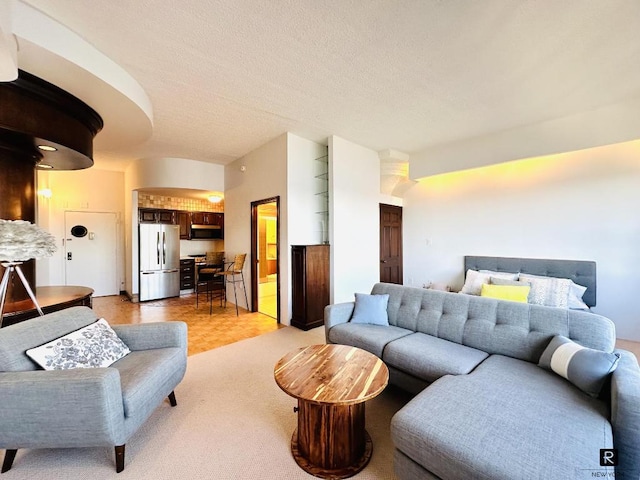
<point>45,166</point>
<point>47,148</point>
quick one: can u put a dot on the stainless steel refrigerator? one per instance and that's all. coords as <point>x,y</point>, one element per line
<point>159,256</point>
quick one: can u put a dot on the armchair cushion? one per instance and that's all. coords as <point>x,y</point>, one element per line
<point>145,376</point>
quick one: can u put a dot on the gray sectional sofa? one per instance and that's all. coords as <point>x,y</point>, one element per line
<point>483,407</point>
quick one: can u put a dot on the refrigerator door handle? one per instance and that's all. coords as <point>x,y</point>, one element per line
<point>158,247</point>
<point>164,248</point>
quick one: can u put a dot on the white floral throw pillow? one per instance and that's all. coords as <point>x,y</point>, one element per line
<point>95,345</point>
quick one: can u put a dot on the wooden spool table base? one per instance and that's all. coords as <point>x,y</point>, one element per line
<point>331,473</point>
<point>331,383</point>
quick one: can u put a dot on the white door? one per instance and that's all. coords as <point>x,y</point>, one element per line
<point>90,251</point>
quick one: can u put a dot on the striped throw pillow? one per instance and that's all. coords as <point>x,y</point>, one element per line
<point>585,367</point>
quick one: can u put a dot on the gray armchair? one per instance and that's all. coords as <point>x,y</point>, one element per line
<point>85,407</point>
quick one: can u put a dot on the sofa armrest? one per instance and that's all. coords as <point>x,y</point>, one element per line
<point>336,314</point>
<point>61,408</point>
<point>625,414</point>
<point>147,336</point>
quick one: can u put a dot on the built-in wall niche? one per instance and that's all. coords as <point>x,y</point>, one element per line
<point>146,200</point>
<point>322,195</point>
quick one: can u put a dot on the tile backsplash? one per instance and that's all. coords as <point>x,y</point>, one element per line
<point>178,203</point>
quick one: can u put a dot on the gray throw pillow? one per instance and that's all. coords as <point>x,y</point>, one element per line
<point>585,367</point>
<point>371,309</point>
<point>506,281</point>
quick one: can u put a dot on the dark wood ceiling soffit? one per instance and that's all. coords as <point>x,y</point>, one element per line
<point>35,112</point>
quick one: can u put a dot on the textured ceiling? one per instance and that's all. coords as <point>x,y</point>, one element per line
<point>225,77</point>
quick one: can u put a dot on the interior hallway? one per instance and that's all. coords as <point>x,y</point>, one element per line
<point>206,331</point>
<point>267,296</point>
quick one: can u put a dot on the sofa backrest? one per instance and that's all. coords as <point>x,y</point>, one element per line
<point>518,330</point>
<point>16,339</point>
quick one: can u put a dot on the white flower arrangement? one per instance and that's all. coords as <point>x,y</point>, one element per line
<point>21,240</point>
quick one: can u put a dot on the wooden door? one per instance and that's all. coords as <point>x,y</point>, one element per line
<point>390,244</point>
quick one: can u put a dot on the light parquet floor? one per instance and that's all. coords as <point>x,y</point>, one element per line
<point>206,331</point>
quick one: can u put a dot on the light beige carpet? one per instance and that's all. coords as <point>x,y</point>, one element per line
<point>232,422</point>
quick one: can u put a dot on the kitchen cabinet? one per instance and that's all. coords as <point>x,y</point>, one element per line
<point>184,220</point>
<point>207,218</point>
<point>310,285</point>
<point>187,273</point>
<point>210,219</point>
<point>157,215</point>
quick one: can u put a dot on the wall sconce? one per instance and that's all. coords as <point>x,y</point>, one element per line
<point>214,198</point>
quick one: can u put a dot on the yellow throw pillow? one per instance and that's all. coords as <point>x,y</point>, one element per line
<point>515,293</point>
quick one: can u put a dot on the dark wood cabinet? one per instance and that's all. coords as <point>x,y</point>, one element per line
<point>147,215</point>
<point>207,218</point>
<point>156,215</point>
<point>310,285</point>
<point>187,273</point>
<point>198,218</point>
<point>184,220</point>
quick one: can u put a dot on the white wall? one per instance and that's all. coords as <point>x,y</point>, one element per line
<point>88,190</point>
<point>303,187</point>
<point>580,205</point>
<point>354,176</point>
<point>264,176</point>
<point>285,167</point>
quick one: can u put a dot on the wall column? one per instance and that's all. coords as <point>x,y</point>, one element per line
<point>34,113</point>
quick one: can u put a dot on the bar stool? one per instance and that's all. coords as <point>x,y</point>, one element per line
<point>207,281</point>
<point>233,274</point>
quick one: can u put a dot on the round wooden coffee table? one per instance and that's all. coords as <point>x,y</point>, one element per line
<point>331,383</point>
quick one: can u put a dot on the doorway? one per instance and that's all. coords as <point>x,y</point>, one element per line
<point>390,244</point>
<point>90,251</point>
<point>265,252</point>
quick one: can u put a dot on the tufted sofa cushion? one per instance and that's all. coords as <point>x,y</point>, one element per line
<point>507,328</point>
<point>429,358</point>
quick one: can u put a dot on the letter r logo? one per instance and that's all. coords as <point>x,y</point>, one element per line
<point>608,457</point>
